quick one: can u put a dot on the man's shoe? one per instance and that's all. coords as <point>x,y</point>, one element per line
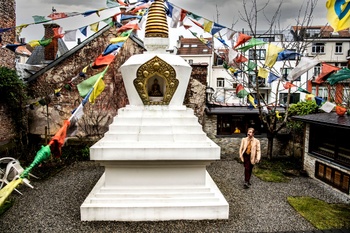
<point>246,185</point>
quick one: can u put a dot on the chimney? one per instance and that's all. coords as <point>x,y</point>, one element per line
<point>51,49</point>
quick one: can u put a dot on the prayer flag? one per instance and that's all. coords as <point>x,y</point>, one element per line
<point>85,86</point>
<point>94,27</point>
<point>174,13</point>
<point>240,59</point>
<point>196,23</point>
<point>339,76</point>
<point>287,54</point>
<point>216,28</point>
<point>57,141</point>
<point>194,16</point>
<point>338,14</point>
<point>57,32</point>
<point>252,42</point>
<point>40,19</point>
<point>207,25</point>
<point>263,73</point>
<point>98,88</point>
<point>325,72</point>
<point>112,47</point>
<point>131,25</point>
<point>304,65</point>
<point>240,91</point>
<point>303,90</point>
<point>232,54</point>
<point>13,47</point>
<point>242,38</point>
<point>45,42</point>
<point>272,77</point>
<point>319,100</point>
<point>251,100</point>
<point>112,3</point>
<point>102,60</point>
<point>327,107</point>
<point>288,85</point>
<point>87,13</point>
<point>340,110</point>
<point>272,53</point>
<point>230,33</point>
<point>8,189</point>
<point>251,66</point>
<point>34,43</point>
<point>20,28</point>
<point>83,30</point>
<point>70,35</point>
<point>4,29</point>
<point>55,15</point>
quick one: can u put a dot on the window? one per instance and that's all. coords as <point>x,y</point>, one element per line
<point>317,70</point>
<point>228,124</point>
<point>338,47</point>
<point>318,48</point>
<point>252,81</point>
<point>286,71</point>
<point>219,61</point>
<point>190,61</point>
<point>257,54</point>
<point>220,82</point>
<point>322,92</point>
<point>313,32</point>
<point>333,147</point>
<point>186,45</point>
<point>294,98</point>
<point>194,45</point>
<point>205,50</point>
<point>332,176</point>
<point>267,39</point>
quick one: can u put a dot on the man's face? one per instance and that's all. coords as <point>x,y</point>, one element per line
<point>250,133</point>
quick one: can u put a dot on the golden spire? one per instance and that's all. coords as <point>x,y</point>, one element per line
<point>157,25</point>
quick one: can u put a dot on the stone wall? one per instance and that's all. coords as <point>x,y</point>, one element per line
<point>97,116</point>
<point>230,145</point>
<point>7,59</point>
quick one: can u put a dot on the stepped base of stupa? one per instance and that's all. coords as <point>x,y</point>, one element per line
<point>155,160</point>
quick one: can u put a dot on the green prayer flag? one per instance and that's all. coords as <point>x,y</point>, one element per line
<point>40,19</point>
<point>45,42</point>
<point>42,155</point>
<point>339,76</point>
<point>303,90</point>
<point>252,42</point>
<point>251,66</point>
<point>85,86</point>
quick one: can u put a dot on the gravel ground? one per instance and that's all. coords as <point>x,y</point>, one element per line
<point>54,204</point>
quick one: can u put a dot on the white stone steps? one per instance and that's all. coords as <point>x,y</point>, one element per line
<point>164,195</point>
<point>138,189</point>
<point>154,121</point>
<point>125,137</point>
<point>163,129</point>
<point>144,202</point>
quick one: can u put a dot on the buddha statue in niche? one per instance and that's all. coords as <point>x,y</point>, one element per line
<point>155,90</point>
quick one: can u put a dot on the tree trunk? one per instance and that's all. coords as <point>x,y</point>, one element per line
<point>270,137</point>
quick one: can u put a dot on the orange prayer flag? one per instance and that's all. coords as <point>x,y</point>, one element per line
<point>242,38</point>
<point>240,58</point>
<point>326,70</point>
<point>103,61</point>
<point>57,141</point>
<point>288,85</point>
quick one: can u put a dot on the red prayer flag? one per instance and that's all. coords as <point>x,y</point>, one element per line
<point>130,25</point>
<point>242,38</point>
<point>196,23</point>
<point>326,70</point>
<point>240,58</point>
<point>340,110</point>
<point>57,141</point>
<point>57,32</point>
<point>102,61</point>
<point>288,85</point>
<point>55,16</point>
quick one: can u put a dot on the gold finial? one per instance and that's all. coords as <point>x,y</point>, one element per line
<point>157,25</point>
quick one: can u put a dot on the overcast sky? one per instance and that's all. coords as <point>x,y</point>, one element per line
<point>228,11</point>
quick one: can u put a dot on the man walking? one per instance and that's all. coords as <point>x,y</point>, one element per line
<point>249,153</point>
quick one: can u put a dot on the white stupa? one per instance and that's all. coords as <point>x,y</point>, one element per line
<point>155,152</point>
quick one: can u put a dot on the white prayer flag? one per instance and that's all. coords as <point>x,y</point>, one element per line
<point>304,65</point>
<point>327,107</point>
<point>70,35</point>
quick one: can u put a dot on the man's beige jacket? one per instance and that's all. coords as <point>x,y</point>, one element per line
<point>255,153</point>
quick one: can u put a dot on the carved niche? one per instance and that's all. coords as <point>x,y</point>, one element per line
<point>156,72</point>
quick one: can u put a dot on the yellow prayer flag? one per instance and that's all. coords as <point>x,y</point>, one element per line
<point>263,73</point>
<point>232,70</point>
<point>118,39</point>
<point>98,88</point>
<point>338,14</point>
<point>207,25</point>
<point>34,43</point>
<point>85,69</point>
<point>94,27</point>
<point>272,53</point>
<point>251,100</point>
<point>8,189</point>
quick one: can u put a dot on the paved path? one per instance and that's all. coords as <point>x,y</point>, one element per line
<point>54,204</point>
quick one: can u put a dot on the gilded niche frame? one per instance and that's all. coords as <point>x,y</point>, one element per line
<point>156,67</point>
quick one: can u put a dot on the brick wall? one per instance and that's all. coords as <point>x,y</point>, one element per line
<point>7,59</point>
